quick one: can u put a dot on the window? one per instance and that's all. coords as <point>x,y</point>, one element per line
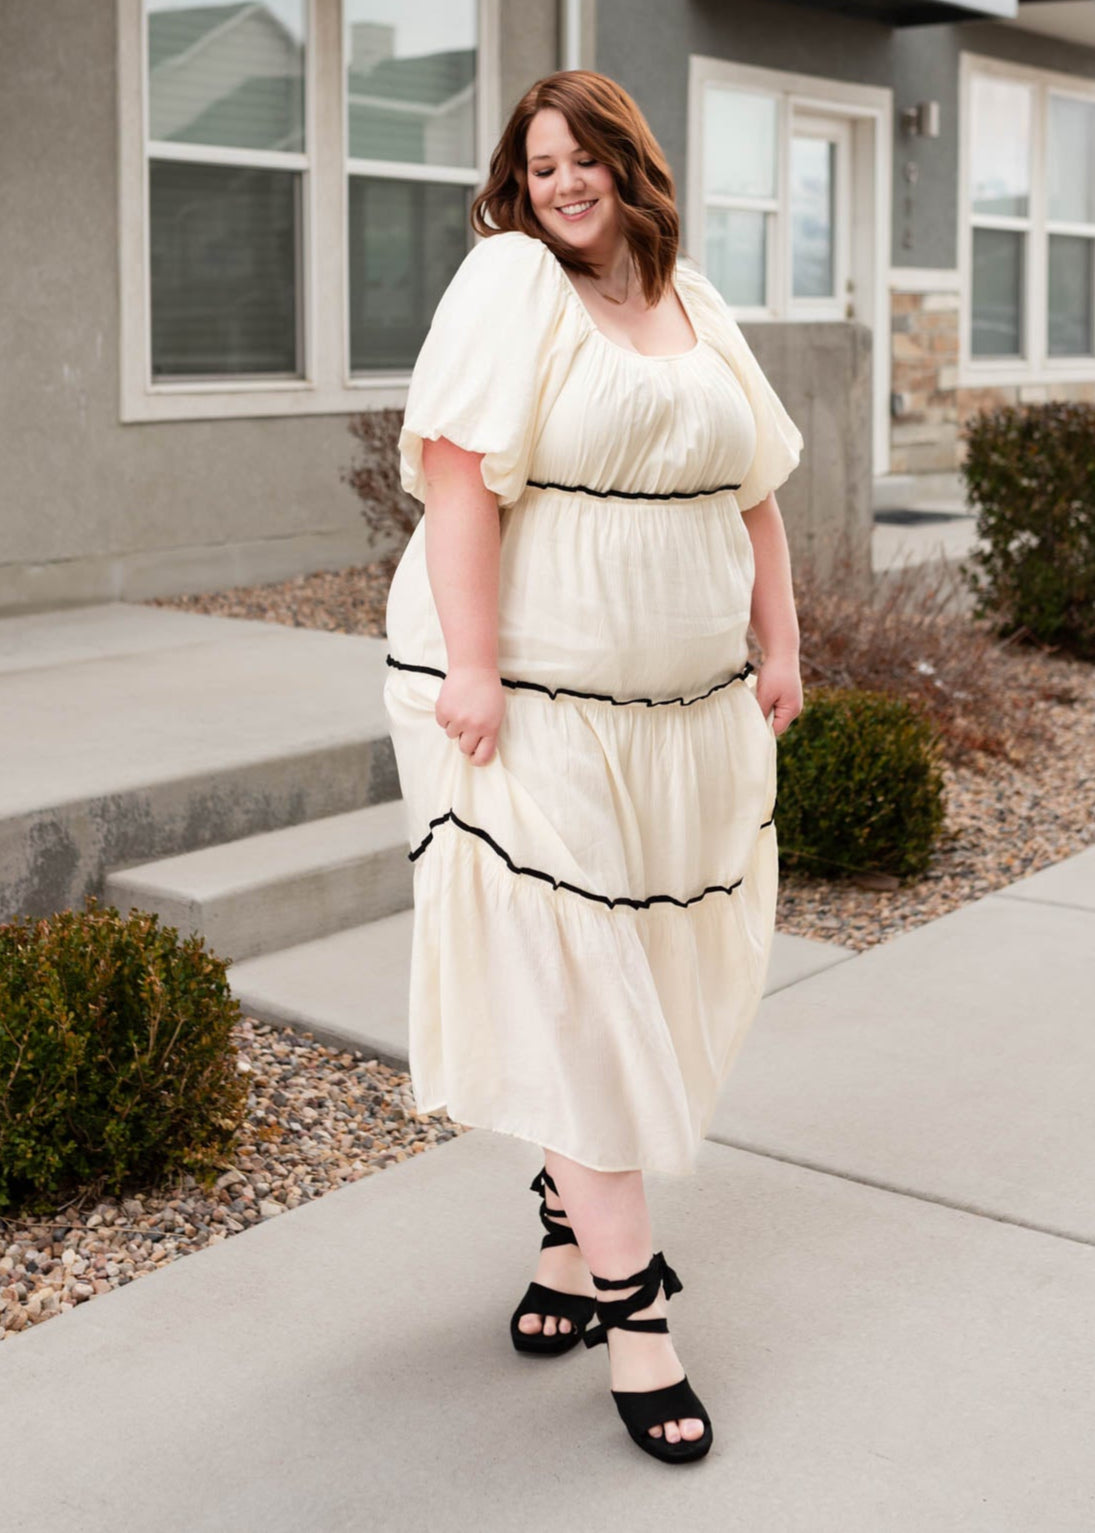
<point>227,163</point>
<point>411,157</point>
<point>1029,200</point>
<point>775,194</point>
<point>295,179</point>
<point>1000,207</point>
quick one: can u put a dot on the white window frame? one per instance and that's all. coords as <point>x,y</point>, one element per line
<point>1035,366</point>
<point>870,110</point>
<point>327,386</point>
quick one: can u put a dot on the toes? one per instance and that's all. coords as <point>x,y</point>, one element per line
<point>565,1326</point>
<point>690,1430</point>
<point>549,1325</point>
<point>530,1324</point>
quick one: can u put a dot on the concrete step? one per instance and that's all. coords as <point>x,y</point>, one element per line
<point>282,888</point>
<point>132,734</point>
<point>350,989</point>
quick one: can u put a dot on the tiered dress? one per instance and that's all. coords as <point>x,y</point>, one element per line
<point>593,909</point>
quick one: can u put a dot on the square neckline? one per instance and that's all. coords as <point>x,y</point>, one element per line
<point>645,356</point>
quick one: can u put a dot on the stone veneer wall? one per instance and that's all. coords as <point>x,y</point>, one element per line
<point>929,408</point>
<point>925,408</point>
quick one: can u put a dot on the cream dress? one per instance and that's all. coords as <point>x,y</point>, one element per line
<point>593,909</point>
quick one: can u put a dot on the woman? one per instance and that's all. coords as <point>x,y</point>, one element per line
<point>587,757</point>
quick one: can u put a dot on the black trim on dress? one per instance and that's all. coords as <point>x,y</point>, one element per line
<point>597,697</point>
<point>585,489</point>
<point>559,883</point>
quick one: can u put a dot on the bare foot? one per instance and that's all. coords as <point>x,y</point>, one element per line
<point>562,1267</point>
<point>648,1360</point>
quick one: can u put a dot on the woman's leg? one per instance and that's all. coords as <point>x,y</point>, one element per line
<point>562,1267</point>
<point>608,1212</point>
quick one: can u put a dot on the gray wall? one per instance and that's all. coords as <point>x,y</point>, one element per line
<point>90,508</point>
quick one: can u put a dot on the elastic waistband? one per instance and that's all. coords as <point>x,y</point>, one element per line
<point>585,489</point>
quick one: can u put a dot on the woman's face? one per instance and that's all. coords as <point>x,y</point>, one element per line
<point>572,194</point>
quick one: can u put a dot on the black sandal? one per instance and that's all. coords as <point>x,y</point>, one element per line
<point>642,1409</point>
<point>578,1308</point>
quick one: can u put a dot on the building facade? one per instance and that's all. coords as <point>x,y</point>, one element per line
<point>226,227</point>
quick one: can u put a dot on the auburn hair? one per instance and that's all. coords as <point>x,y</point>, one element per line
<point>606,122</point>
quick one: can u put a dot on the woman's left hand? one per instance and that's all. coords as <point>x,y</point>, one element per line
<point>779,690</point>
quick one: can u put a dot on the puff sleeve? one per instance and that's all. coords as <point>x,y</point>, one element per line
<point>779,441</point>
<point>493,359</point>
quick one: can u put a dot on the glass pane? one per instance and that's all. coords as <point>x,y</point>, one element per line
<point>813,174</point>
<point>410,84</point>
<point>1070,293</point>
<point>736,255</point>
<point>1000,157</point>
<point>406,240</point>
<point>224,261</point>
<point>1071,160</point>
<point>997,292</point>
<point>739,143</point>
<point>231,75</point>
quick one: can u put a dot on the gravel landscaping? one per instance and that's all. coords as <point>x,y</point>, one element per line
<point>317,1119</point>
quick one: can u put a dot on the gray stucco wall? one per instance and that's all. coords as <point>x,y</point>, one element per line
<point>90,508</point>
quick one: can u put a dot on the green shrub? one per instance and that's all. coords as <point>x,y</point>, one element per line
<point>1030,471</point>
<point>116,1062</point>
<point>860,785</point>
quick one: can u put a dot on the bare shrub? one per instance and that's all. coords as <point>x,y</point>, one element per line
<point>912,637</point>
<point>374,476</point>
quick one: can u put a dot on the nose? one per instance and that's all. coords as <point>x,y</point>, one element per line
<point>570,179</point>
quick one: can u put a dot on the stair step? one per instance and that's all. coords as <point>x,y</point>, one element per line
<point>281,888</point>
<point>136,734</point>
<point>349,990</point>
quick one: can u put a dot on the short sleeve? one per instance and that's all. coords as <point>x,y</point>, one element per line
<point>495,353</point>
<point>779,441</point>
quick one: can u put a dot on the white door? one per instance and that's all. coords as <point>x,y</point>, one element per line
<point>819,223</point>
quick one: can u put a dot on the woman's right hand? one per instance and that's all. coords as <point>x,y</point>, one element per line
<point>469,708</point>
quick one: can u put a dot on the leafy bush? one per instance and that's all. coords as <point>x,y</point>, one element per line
<point>374,477</point>
<point>1030,471</point>
<point>116,1064</point>
<point>860,786</point>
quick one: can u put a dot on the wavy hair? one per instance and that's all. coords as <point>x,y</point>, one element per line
<point>607,124</point>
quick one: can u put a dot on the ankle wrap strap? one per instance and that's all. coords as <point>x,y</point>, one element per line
<point>617,1312</point>
<point>557,1234</point>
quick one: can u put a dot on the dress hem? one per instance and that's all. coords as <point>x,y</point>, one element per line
<point>530,1138</point>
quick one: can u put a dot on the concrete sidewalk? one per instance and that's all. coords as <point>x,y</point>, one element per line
<point>872,1357</point>
<point>888,1250</point>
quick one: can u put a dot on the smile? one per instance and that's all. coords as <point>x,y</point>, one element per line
<point>577,209</point>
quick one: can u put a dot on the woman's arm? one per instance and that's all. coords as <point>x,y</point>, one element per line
<point>462,554</point>
<point>773,616</point>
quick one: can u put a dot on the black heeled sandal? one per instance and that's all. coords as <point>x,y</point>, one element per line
<point>641,1409</point>
<point>540,1300</point>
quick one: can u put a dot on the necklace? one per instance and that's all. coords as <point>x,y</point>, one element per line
<point>608,296</point>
